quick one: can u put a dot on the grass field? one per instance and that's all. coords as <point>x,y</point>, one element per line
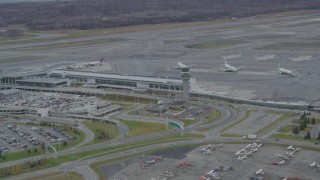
<point>188,122</point>
<point>211,45</point>
<point>58,176</point>
<point>271,125</point>
<point>214,115</point>
<point>286,129</point>
<point>67,45</point>
<point>231,135</point>
<point>110,129</point>
<point>291,137</point>
<point>141,128</point>
<point>237,122</point>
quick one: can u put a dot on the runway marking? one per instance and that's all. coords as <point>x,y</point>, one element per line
<point>266,57</point>
<point>301,58</point>
<point>233,56</point>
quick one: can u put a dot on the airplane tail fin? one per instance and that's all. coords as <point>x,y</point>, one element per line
<point>101,60</point>
<point>225,61</point>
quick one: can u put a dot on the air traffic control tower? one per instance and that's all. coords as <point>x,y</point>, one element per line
<point>186,76</point>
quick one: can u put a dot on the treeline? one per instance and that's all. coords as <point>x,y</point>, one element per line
<point>87,14</point>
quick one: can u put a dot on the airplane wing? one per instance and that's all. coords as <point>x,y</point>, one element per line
<point>241,68</point>
<point>181,65</point>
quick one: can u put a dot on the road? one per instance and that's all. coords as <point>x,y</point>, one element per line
<point>229,114</point>
<point>87,172</point>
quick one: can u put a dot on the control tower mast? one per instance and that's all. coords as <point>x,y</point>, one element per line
<point>186,76</point>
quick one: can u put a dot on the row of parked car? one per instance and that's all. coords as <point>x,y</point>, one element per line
<point>69,137</point>
<point>3,149</point>
<point>47,135</point>
<point>12,141</point>
<point>25,135</point>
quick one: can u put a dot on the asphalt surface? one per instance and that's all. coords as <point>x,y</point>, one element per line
<point>257,47</point>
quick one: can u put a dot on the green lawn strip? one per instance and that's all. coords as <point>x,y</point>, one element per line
<point>237,122</point>
<point>291,137</point>
<point>211,45</point>
<point>188,122</point>
<point>308,128</point>
<point>214,115</point>
<point>97,127</point>
<point>11,156</point>
<point>286,129</point>
<point>231,135</point>
<point>66,45</point>
<point>271,125</point>
<point>58,176</point>
<point>139,128</point>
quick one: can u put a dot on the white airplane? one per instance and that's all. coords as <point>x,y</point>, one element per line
<point>285,178</point>
<point>220,145</point>
<point>94,63</point>
<point>290,153</point>
<point>314,164</point>
<point>242,158</point>
<point>259,172</point>
<point>259,145</point>
<point>238,153</point>
<point>182,66</point>
<point>281,162</point>
<point>151,162</point>
<point>283,71</point>
<point>229,68</point>
<point>255,150</point>
<point>204,178</point>
<point>291,148</point>
<point>249,146</point>
<point>213,174</point>
<point>206,151</point>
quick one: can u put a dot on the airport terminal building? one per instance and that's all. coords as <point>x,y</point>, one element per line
<point>118,81</point>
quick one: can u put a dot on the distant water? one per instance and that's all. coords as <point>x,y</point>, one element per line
<point>13,1</point>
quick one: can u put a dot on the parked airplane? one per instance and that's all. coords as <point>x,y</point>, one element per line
<point>259,172</point>
<point>204,178</point>
<point>291,148</point>
<point>94,63</point>
<point>151,162</point>
<point>229,68</point>
<point>279,162</point>
<point>284,71</point>
<point>242,157</point>
<point>220,145</point>
<point>213,174</point>
<point>314,164</point>
<point>290,153</point>
<point>205,151</point>
<point>182,66</point>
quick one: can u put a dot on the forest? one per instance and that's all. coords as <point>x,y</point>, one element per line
<point>89,14</point>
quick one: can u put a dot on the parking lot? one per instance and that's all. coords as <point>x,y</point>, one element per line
<point>192,164</point>
<point>15,137</point>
